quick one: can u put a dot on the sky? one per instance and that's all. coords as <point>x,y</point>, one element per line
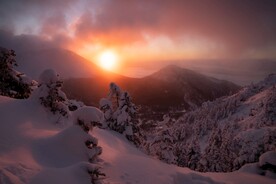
<point>143,31</point>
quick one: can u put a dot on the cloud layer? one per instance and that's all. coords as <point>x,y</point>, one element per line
<point>239,28</point>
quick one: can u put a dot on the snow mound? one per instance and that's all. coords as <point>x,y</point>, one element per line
<point>48,76</point>
<point>265,167</point>
<point>88,116</point>
<point>105,102</point>
<point>64,149</point>
<point>268,158</point>
<point>251,168</point>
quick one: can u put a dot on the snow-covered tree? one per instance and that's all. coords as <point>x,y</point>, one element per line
<point>161,141</point>
<point>107,109</point>
<point>74,105</point>
<point>124,114</point>
<point>13,83</point>
<point>119,113</point>
<point>88,117</point>
<point>114,94</point>
<point>163,147</point>
<point>50,94</point>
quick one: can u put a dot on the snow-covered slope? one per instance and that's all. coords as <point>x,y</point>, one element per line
<point>123,163</point>
<point>35,149</point>
<point>31,142</point>
<point>222,135</point>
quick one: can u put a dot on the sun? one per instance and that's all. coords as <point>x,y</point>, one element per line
<point>108,60</point>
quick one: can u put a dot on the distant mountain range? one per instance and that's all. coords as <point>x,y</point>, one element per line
<point>240,71</point>
<point>170,88</point>
<point>70,65</point>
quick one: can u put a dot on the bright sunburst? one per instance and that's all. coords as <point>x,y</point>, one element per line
<point>108,60</point>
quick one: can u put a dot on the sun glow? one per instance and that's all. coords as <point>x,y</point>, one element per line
<point>108,60</point>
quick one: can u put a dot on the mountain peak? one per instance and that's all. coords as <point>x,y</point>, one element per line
<point>173,68</point>
<point>174,73</point>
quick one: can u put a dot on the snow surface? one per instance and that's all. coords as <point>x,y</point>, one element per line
<point>268,157</point>
<point>35,149</point>
<point>88,115</point>
<point>124,163</point>
<point>48,76</point>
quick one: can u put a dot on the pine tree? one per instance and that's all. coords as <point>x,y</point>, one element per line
<point>13,83</point>
<point>120,113</point>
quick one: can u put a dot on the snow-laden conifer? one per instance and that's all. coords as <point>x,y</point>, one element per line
<point>12,82</point>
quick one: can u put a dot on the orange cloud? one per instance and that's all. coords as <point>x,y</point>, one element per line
<point>149,30</point>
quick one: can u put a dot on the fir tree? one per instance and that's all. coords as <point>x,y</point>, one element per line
<point>13,83</point>
<point>120,113</point>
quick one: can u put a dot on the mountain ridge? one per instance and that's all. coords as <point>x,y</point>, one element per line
<point>179,88</point>
<point>65,62</point>
<point>181,91</point>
